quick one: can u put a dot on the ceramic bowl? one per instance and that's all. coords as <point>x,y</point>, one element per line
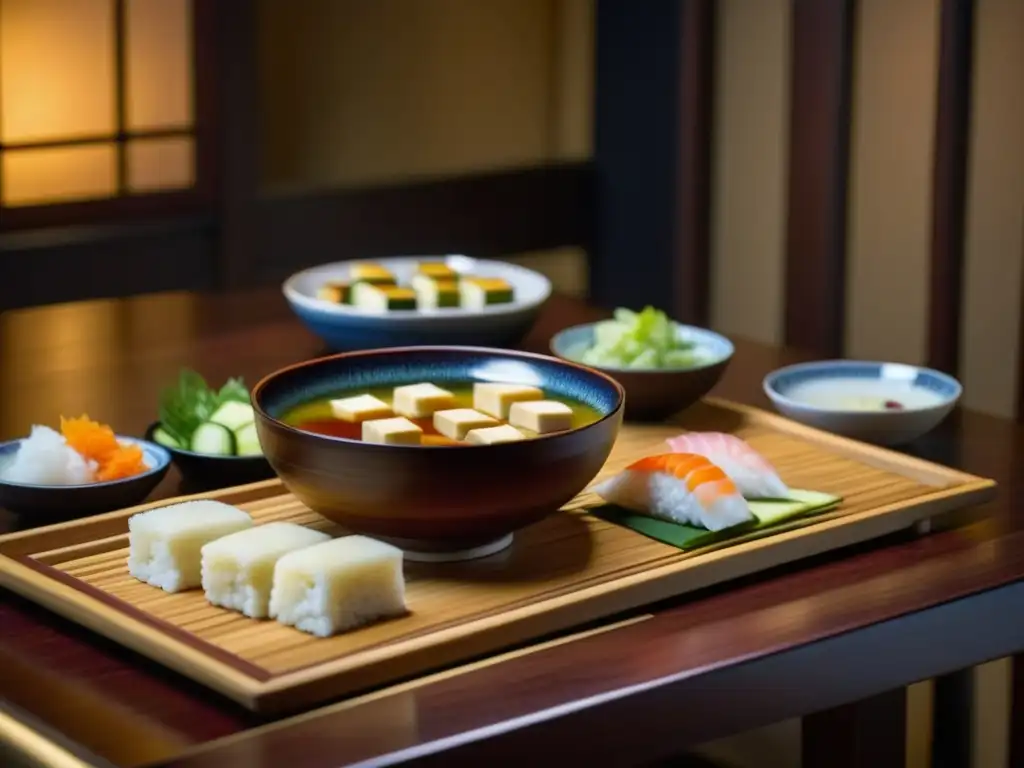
<point>437,503</point>
<point>344,327</point>
<point>656,394</point>
<point>848,397</point>
<point>79,500</point>
<point>206,472</point>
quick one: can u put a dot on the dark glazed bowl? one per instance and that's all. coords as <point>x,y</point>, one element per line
<point>654,395</point>
<point>440,503</point>
<point>202,471</point>
<point>67,501</point>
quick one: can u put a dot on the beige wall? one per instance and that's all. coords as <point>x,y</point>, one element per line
<point>359,93</point>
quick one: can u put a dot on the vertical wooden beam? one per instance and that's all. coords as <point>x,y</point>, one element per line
<point>237,123</point>
<point>1017,713</point>
<point>952,720</point>
<point>653,92</point>
<point>864,734</point>
<point>949,182</point>
<point>819,160</point>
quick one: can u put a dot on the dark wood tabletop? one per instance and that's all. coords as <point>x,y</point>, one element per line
<point>836,635</point>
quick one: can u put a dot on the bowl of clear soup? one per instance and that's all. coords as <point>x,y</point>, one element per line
<point>878,402</point>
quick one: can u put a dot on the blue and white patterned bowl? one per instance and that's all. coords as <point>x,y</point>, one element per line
<point>65,501</point>
<point>347,328</point>
<point>848,397</point>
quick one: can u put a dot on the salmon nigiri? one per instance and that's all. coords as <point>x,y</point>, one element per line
<point>748,469</point>
<point>678,487</point>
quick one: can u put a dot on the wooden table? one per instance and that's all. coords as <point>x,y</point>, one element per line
<point>850,627</point>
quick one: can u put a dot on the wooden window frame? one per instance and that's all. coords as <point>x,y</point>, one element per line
<point>125,206</point>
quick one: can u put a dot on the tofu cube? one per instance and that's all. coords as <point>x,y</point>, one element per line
<point>541,416</point>
<point>360,408</point>
<point>418,401</point>
<point>437,270</point>
<point>238,569</point>
<point>494,435</point>
<point>479,292</point>
<point>435,294</point>
<point>396,431</point>
<point>165,544</point>
<point>334,292</point>
<point>338,585</point>
<point>456,423</point>
<point>496,399</point>
<point>371,273</point>
<point>382,298</point>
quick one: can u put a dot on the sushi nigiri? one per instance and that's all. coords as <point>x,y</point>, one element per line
<point>678,487</point>
<point>749,470</point>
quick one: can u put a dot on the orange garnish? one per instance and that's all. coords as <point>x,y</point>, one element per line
<point>125,462</point>
<point>97,442</point>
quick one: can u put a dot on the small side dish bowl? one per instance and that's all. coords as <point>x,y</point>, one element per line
<point>207,472</point>
<point>435,502</point>
<point>344,327</point>
<point>655,394</point>
<point>881,403</point>
<point>66,501</point>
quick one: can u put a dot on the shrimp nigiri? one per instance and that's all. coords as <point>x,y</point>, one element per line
<point>678,487</point>
<point>749,470</point>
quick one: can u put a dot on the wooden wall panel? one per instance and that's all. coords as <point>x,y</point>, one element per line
<point>750,156</point>
<point>652,155</point>
<point>995,212</point>
<point>890,180</point>
<point>949,182</point>
<point>816,217</point>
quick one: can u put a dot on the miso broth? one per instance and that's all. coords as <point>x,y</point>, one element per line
<point>318,416</point>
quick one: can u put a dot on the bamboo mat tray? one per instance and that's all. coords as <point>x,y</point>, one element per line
<point>568,569</point>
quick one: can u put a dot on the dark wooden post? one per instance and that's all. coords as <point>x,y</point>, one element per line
<point>652,155</point>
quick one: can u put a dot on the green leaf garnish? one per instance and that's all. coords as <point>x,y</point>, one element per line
<point>191,402</point>
<point>640,340</point>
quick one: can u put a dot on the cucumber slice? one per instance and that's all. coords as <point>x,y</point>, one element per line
<point>247,442</point>
<point>213,439</point>
<point>161,436</point>
<point>233,415</point>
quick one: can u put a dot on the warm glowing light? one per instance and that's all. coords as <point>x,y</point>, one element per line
<point>159,58</point>
<point>56,69</point>
<point>58,83</point>
<point>33,176</point>
<point>160,164</point>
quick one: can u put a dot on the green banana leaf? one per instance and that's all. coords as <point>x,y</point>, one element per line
<point>768,513</point>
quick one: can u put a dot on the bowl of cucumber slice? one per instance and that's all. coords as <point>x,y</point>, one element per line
<point>210,433</point>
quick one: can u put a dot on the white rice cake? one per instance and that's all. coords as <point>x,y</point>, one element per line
<point>381,298</point>
<point>496,399</point>
<point>541,416</point>
<point>418,401</point>
<point>165,544</point>
<point>435,294</point>
<point>456,423</point>
<point>479,292</point>
<point>238,569</point>
<point>360,408</point>
<point>371,273</point>
<point>396,431</point>
<point>494,435</point>
<point>338,585</point>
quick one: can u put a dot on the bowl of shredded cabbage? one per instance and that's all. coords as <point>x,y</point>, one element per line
<point>664,366</point>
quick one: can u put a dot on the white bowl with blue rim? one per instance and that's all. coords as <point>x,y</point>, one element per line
<point>66,501</point>
<point>344,327</point>
<point>881,403</point>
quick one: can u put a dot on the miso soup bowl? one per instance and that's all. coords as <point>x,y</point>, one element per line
<point>435,502</point>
